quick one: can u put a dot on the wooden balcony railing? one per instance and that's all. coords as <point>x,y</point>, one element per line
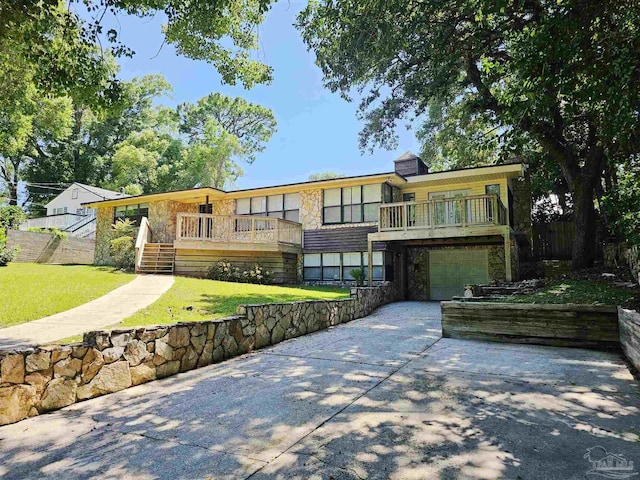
<point>238,229</point>
<point>450,212</point>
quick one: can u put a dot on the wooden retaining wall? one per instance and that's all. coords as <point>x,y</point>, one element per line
<point>629,321</point>
<point>195,263</point>
<point>557,325</point>
<point>45,248</point>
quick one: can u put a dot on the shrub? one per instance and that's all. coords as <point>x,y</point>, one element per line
<point>358,276</point>
<point>11,217</point>
<point>56,232</point>
<point>6,254</point>
<point>225,271</point>
<point>122,244</point>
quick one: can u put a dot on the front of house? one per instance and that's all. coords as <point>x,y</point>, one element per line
<point>430,232</point>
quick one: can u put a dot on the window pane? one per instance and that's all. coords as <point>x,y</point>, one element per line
<point>387,193</point>
<point>356,195</point>
<point>312,273</point>
<point>275,203</point>
<point>258,205</point>
<point>346,196</point>
<point>243,206</point>
<point>372,193</point>
<point>346,272</point>
<point>492,189</point>
<point>356,213</point>
<point>371,212</point>
<point>331,259</point>
<point>312,260</point>
<point>408,197</point>
<point>331,273</point>
<point>292,215</point>
<point>292,201</point>
<point>332,197</point>
<point>276,214</point>
<point>378,273</point>
<point>346,214</point>
<point>332,215</point>
<point>378,258</point>
<point>352,259</point>
<point>120,211</point>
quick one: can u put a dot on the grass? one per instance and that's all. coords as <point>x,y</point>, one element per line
<point>588,292</point>
<point>192,299</point>
<point>29,291</point>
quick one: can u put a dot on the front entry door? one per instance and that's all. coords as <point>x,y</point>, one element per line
<point>448,211</point>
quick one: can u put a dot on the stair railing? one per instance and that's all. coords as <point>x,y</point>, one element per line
<point>144,237</point>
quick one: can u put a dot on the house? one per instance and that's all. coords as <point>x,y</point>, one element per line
<point>430,232</point>
<point>67,212</point>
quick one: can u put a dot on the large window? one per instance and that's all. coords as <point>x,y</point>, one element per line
<point>285,206</point>
<point>352,204</point>
<point>132,212</point>
<point>338,266</point>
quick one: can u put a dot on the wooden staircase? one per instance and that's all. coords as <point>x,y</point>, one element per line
<point>157,258</point>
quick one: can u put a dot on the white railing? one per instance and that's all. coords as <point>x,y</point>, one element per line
<point>238,229</point>
<point>60,221</point>
<point>144,237</point>
<point>449,212</point>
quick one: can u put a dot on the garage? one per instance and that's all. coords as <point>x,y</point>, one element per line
<point>451,270</point>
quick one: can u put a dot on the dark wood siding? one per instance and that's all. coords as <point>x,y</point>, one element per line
<point>348,239</point>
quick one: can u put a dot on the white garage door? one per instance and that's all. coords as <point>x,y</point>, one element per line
<point>451,270</point>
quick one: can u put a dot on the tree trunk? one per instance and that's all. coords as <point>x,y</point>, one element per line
<point>584,218</point>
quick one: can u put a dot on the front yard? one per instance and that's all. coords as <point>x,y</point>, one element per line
<point>193,299</point>
<point>29,291</point>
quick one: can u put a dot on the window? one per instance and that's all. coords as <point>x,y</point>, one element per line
<point>285,206</point>
<point>492,189</point>
<point>132,212</point>
<point>74,193</point>
<point>60,210</point>
<point>337,266</point>
<point>351,204</point>
<point>408,197</point>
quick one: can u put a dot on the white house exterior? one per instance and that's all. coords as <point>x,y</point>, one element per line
<point>66,212</point>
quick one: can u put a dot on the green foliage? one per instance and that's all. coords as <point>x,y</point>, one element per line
<point>6,254</point>
<point>622,204</point>
<point>11,217</point>
<point>225,271</point>
<point>122,244</point>
<point>358,276</point>
<point>314,177</point>
<point>56,232</point>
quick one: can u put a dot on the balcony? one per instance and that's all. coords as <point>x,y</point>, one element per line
<point>451,217</point>
<point>233,232</point>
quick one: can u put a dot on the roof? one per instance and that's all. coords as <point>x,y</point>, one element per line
<point>408,155</point>
<point>196,194</point>
<point>97,191</point>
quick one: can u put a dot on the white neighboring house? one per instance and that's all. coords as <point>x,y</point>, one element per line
<point>66,212</point>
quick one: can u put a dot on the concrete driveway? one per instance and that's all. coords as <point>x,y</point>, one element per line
<point>381,397</point>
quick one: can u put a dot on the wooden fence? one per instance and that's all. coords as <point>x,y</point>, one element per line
<point>554,241</point>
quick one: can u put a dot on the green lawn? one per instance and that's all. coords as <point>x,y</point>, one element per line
<point>591,292</point>
<point>29,291</point>
<point>192,299</point>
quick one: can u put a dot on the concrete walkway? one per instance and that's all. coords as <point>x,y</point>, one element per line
<point>104,311</point>
<point>382,398</point>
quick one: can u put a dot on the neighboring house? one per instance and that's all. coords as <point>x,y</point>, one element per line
<point>431,232</point>
<point>67,212</point>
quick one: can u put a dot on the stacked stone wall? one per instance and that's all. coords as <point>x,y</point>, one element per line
<point>37,380</point>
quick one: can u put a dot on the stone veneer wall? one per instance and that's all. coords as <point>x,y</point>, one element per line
<point>38,380</point>
<point>104,220</point>
<point>629,323</point>
<point>163,216</point>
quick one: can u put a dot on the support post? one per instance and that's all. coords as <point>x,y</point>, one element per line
<point>370,263</point>
<point>507,256</point>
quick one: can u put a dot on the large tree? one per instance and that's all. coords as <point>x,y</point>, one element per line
<point>564,73</point>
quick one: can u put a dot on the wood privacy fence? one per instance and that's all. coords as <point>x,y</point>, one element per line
<point>46,248</point>
<point>554,241</point>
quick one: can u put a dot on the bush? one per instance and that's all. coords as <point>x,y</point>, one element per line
<point>6,254</point>
<point>11,217</point>
<point>358,276</point>
<point>122,245</point>
<point>56,232</point>
<point>225,271</point>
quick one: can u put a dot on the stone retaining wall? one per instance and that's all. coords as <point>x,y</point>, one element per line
<point>558,325</point>
<point>629,321</point>
<point>38,380</point>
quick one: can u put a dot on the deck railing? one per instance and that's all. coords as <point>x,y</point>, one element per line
<point>449,212</point>
<point>238,229</point>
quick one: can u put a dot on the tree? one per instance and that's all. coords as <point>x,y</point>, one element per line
<point>314,177</point>
<point>563,74</point>
<point>237,129</point>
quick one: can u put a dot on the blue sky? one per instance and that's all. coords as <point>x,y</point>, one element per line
<point>317,130</point>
